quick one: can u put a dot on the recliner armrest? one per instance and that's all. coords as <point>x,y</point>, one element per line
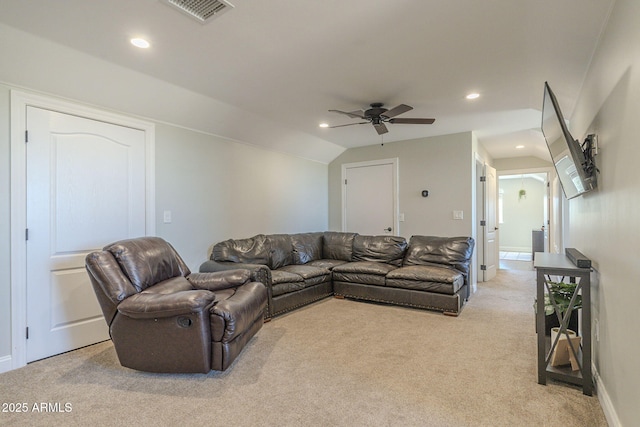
<point>219,280</point>
<point>152,305</point>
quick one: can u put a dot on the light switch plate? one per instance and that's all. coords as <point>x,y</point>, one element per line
<point>458,215</point>
<point>401,217</point>
<point>166,217</point>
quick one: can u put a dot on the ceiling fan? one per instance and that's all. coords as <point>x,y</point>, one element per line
<point>377,115</point>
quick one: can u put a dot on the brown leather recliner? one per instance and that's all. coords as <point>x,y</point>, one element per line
<point>162,318</point>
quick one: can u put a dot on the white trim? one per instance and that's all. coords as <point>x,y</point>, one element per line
<point>550,171</point>
<point>5,364</point>
<point>605,401</point>
<point>477,213</point>
<point>396,189</point>
<point>19,102</point>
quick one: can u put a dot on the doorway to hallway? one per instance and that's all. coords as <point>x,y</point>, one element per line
<point>523,218</point>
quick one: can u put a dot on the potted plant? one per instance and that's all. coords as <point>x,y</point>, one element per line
<point>561,293</point>
<point>522,193</point>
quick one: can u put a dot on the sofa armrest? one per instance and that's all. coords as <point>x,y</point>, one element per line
<point>152,305</point>
<point>219,280</point>
<point>259,273</point>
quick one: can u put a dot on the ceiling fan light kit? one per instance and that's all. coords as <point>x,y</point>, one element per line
<point>377,115</point>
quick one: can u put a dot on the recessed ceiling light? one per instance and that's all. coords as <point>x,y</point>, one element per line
<point>141,43</point>
<point>324,125</point>
<point>473,96</point>
<point>519,146</point>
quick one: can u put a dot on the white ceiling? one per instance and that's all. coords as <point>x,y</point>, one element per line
<point>287,62</point>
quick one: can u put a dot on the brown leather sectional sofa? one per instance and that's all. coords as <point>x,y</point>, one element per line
<point>427,272</point>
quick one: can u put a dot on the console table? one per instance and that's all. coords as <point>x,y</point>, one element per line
<point>547,265</point>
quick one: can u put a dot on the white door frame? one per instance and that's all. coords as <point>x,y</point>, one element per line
<point>19,102</point>
<point>550,171</point>
<point>477,231</point>
<point>394,163</point>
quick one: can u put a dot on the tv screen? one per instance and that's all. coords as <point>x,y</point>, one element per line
<point>566,153</point>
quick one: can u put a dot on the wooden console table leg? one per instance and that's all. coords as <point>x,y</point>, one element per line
<point>540,329</point>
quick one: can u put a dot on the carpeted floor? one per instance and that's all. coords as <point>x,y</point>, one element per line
<point>334,363</point>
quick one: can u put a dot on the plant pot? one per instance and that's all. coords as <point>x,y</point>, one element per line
<point>551,321</point>
<point>563,354</point>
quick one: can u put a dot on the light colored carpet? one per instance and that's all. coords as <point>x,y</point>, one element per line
<point>334,363</point>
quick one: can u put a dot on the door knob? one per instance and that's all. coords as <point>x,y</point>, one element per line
<point>388,229</point>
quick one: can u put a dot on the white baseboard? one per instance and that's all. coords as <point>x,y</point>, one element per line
<point>605,401</point>
<point>6,363</point>
<point>515,249</point>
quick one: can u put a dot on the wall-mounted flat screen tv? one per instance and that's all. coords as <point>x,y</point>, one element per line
<point>567,155</point>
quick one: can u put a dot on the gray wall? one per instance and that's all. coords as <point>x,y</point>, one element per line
<point>217,189</point>
<point>604,224</point>
<point>443,165</point>
<point>515,163</point>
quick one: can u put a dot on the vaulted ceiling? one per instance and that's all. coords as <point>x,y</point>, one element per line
<point>287,62</point>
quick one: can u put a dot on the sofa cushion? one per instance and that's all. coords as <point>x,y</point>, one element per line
<point>170,286</point>
<point>389,249</point>
<point>311,275</point>
<point>366,272</point>
<point>307,247</point>
<point>329,264</point>
<point>337,245</point>
<point>281,250</point>
<point>254,250</point>
<point>281,276</point>
<point>284,282</point>
<point>429,278</point>
<point>452,251</point>
<point>286,288</point>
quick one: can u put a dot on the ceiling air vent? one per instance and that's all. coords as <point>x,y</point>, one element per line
<point>201,10</point>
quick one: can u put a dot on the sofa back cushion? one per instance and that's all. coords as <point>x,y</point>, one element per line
<point>449,251</point>
<point>387,249</point>
<point>307,247</point>
<point>337,245</point>
<point>147,261</point>
<point>254,250</point>
<point>281,250</point>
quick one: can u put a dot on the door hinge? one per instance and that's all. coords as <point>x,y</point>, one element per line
<point>483,267</point>
<point>483,223</point>
<point>27,334</point>
<point>483,179</point>
<point>26,234</point>
<point>345,182</point>
<point>26,136</point>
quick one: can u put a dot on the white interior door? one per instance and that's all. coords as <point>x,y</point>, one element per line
<point>490,251</point>
<point>369,197</point>
<point>85,188</point>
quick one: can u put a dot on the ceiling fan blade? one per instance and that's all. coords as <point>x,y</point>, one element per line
<point>381,128</point>
<point>358,114</point>
<point>348,124</point>
<point>412,121</point>
<point>395,111</point>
